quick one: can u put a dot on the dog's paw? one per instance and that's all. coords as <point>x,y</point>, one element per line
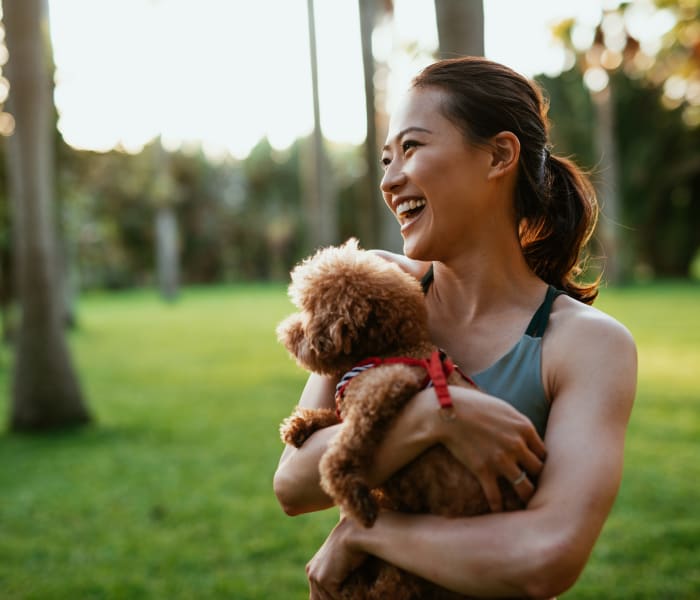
<point>295,431</point>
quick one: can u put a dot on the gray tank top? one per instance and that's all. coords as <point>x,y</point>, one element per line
<point>516,377</point>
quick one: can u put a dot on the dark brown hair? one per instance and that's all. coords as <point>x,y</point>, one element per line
<point>555,202</point>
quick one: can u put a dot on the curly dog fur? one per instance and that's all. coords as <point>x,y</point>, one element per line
<point>353,304</point>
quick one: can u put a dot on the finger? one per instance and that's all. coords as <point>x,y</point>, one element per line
<point>536,445</point>
<point>492,493</point>
<point>532,465</point>
<point>316,592</point>
<point>525,490</point>
<point>522,485</point>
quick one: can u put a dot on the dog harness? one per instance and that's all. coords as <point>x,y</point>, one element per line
<point>438,368</point>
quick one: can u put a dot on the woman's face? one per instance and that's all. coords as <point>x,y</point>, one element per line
<point>434,182</point>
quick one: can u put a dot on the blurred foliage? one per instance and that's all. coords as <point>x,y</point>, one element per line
<point>238,220</point>
<point>659,160</point>
<point>654,82</point>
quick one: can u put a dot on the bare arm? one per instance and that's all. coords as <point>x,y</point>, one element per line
<point>297,482</point>
<point>539,551</point>
<point>489,436</point>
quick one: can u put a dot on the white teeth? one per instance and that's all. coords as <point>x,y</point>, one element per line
<point>409,205</point>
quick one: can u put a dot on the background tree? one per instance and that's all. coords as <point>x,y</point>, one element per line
<point>7,279</point>
<point>460,25</point>
<point>377,226</point>
<point>642,71</point>
<point>163,197</point>
<point>371,209</point>
<point>321,208</point>
<point>46,392</point>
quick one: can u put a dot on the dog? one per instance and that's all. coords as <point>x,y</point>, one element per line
<point>362,320</point>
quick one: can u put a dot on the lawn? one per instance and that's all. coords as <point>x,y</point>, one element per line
<point>169,494</point>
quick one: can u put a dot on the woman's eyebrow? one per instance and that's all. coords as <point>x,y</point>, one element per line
<point>403,132</point>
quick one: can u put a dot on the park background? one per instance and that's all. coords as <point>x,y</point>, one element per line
<point>165,163</point>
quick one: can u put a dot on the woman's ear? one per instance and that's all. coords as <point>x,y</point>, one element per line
<point>505,152</point>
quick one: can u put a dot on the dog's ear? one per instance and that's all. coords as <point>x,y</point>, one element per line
<point>290,333</point>
<point>309,344</point>
<point>329,340</point>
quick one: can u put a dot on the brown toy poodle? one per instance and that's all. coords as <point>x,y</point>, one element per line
<point>354,305</point>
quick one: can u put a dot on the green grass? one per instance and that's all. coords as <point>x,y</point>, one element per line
<point>169,494</point>
<point>649,547</point>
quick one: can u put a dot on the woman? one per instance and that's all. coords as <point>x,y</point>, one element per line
<point>495,225</point>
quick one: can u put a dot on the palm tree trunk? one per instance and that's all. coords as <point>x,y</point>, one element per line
<point>165,226</point>
<point>321,210</point>
<point>369,215</point>
<point>46,393</point>
<point>378,227</point>
<point>460,25</point>
<point>166,252</point>
<point>608,186</point>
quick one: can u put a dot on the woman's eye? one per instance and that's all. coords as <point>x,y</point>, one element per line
<point>385,161</point>
<point>408,144</point>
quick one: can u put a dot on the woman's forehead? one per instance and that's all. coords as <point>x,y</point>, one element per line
<point>418,107</point>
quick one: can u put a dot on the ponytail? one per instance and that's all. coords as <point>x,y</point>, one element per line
<point>559,224</point>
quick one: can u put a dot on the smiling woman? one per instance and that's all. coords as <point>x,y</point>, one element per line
<point>493,224</point>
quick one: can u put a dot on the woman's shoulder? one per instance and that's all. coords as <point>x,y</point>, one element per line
<point>573,320</point>
<point>417,268</point>
<point>584,339</point>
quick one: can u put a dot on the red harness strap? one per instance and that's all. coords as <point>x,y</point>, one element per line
<point>438,368</point>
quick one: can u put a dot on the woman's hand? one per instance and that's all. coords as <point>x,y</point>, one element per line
<point>492,439</point>
<point>333,562</point>
<point>487,435</point>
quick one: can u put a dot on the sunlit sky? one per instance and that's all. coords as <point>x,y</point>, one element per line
<point>225,73</point>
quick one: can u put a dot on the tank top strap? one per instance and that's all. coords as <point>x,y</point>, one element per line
<point>427,279</point>
<point>539,321</point>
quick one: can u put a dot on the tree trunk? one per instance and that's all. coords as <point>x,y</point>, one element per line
<point>166,251</point>
<point>460,25</point>
<point>321,209</point>
<point>608,188</point>
<point>163,196</point>
<point>7,292</point>
<point>369,215</point>
<point>378,227</point>
<point>46,393</point>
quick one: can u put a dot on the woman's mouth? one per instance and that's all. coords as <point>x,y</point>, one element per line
<point>409,209</point>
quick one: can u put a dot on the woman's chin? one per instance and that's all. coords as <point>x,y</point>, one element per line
<point>413,249</point>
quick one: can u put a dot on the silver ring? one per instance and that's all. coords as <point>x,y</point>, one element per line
<point>520,478</point>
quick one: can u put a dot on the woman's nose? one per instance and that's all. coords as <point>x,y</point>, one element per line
<point>393,178</point>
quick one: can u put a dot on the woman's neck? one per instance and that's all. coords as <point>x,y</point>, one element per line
<point>475,284</point>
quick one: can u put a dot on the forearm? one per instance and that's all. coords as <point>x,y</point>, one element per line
<point>537,552</point>
<point>495,555</point>
<point>297,481</point>
<point>412,433</point>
